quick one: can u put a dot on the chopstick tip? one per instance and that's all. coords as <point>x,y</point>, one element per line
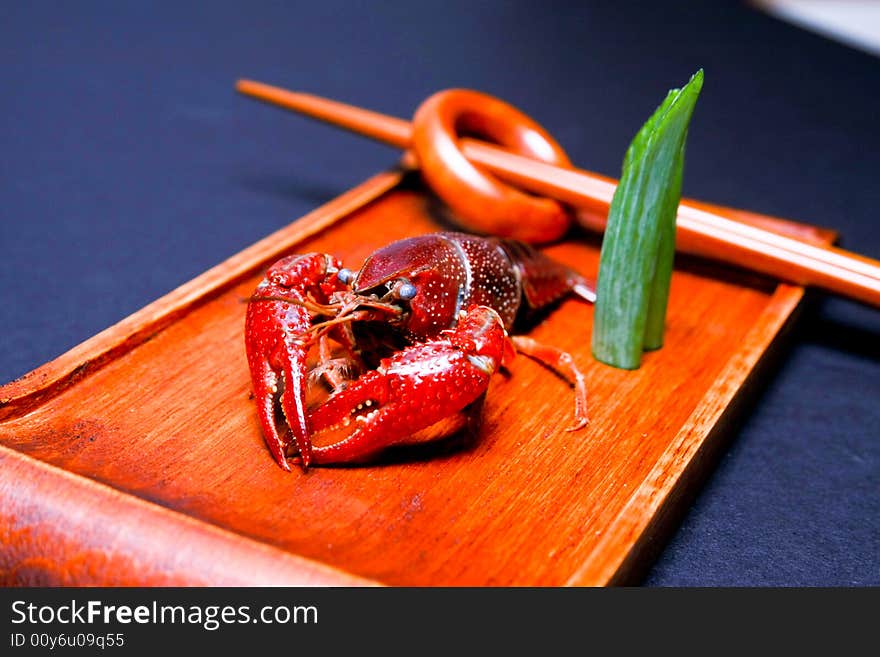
<point>243,85</point>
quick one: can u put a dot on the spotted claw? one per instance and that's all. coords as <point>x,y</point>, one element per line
<point>277,342</point>
<point>413,389</point>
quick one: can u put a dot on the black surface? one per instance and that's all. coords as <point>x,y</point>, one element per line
<point>129,166</point>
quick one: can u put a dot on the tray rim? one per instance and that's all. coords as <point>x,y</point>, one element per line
<point>637,525</point>
<point>691,448</point>
<point>205,554</point>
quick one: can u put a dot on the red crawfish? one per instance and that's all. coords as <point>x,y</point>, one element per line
<point>421,329</point>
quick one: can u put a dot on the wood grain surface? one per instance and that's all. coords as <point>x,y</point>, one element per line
<point>137,457</point>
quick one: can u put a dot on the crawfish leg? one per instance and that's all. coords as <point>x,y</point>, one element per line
<point>562,362</point>
<point>332,368</point>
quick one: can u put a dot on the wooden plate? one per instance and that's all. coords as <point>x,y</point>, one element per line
<point>136,458</point>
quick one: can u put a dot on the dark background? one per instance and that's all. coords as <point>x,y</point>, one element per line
<point>129,166</point>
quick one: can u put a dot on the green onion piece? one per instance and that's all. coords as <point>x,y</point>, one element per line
<point>659,298</point>
<point>635,266</point>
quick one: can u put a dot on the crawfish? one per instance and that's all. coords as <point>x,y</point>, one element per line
<point>423,326</point>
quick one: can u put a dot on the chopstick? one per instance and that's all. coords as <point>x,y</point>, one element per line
<point>700,231</point>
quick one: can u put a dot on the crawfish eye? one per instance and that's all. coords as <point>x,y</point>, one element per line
<point>406,290</point>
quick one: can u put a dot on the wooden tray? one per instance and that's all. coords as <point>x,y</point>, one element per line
<point>136,458</point>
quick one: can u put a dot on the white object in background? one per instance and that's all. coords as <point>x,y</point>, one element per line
<point>854,22</point>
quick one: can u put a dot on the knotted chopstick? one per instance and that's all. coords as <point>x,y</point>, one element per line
<point>701,229</point>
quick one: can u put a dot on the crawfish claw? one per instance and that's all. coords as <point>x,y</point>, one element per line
<point>265,382</point>
<point>276,327</point>
<point>413,389</point>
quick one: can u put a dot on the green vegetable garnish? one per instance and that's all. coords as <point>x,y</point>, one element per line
<point>635,266</point>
